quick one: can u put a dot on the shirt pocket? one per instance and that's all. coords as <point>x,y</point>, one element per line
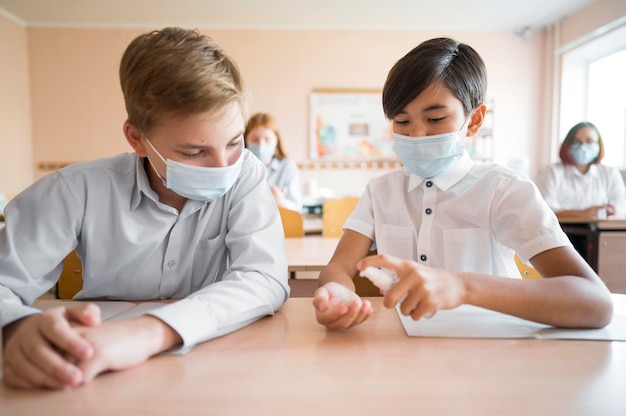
<point>466,249</point>
<point>396,241</point>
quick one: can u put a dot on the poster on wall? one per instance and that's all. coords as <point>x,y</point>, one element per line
<point>349,125</point>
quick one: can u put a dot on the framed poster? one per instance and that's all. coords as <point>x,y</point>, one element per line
<point>349,125</point>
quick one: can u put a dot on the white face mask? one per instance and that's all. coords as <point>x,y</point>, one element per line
<point>584,153</point>
<point>264,151</point>
<point>428,156</point>
<point>197,182</point>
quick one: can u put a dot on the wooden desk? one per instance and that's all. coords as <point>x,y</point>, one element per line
<point>290,365</point>
<point>310,253</point>
<point>603,245</point>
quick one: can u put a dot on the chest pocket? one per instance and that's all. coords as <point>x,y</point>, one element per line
<point>466,250</point>
<point>396,241</point>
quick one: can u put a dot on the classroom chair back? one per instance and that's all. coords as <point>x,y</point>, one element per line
<point>293,222</point>
<point>334,215</point>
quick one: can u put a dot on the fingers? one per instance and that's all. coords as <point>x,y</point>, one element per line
<point>88,314</point>
<point>59,333</point>
<point>337,307</point>
<point>345,317</point>
<point>38,367</point>
<point>43,349</point>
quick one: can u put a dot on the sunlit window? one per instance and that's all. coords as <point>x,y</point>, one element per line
<point>606,104</point>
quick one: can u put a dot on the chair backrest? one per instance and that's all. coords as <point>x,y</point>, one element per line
<point>71,280</point>
<point>293,223</point>
<point>527,271</point>
<point>334,215</point>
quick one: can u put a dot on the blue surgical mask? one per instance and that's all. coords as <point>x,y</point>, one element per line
<point>584,153</point>
<point>197,182</point>
<point>264,151</point>
<point>428,156</point>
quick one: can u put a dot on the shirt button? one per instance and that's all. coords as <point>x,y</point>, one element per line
<point>171,263</point>
<point>423,257</point>
<point>429,183</point>
<point>429,211</point>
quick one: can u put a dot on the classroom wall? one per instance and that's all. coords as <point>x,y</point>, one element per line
<point>16,151</point>
<point>77,109</point>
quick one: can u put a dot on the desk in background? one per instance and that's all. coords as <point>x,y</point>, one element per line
<point>290,365</point>
<point>602,243</point>
<point>309,254</point>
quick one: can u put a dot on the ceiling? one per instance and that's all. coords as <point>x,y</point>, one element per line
<point>423,15</point>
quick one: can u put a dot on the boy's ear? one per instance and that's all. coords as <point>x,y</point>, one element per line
<point>478,117</point>
<point>134,137</point>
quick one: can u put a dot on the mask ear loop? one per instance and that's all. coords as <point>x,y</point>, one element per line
<point>464,139</point>
<point>152,165</point>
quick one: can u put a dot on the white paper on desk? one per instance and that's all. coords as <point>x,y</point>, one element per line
<point>111,310</point>
<point>469,321</point>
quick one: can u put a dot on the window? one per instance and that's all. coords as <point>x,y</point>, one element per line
<point>606,104</point>
<point>593,88</point>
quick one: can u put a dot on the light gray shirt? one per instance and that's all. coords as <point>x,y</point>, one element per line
<point>224,259</point>
<point>284,174</point>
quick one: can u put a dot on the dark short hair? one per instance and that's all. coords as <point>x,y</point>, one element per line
<point>176,72</point>
<point>455,65</point>
<point>565,151</point>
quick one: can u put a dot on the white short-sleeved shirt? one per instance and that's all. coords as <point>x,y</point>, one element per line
<point>564,187</point>
<point>469,218</point>
<point>284,174</point>
<point>225,259</point>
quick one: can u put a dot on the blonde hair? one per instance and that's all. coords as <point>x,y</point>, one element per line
<point>176,72</point>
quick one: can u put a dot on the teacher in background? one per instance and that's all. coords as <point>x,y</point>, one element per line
<point>580,186</point>
<point>262,138</point>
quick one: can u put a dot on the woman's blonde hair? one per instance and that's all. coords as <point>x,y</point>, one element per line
<point>176,72</point>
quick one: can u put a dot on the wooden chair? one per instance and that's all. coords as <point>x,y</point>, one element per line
<point>527,271</point>
<point>71,280</point>
<point>334,215</point>
<point>293,223</point>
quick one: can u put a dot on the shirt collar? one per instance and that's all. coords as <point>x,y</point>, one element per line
<point>142,184</point>
<point>592,172</point>
<point>457,170</point>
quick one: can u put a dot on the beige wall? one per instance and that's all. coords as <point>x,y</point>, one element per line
<point>77,108</point>
<point>16,157</point>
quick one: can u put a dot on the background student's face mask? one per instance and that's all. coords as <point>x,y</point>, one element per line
<point>197,182</point>
<point>583,153</point>
<point>263,151</point>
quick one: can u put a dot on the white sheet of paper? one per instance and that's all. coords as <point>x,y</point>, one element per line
<point>469,321</point>
<point>111,310</point>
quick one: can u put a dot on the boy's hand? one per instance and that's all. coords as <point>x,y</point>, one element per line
<point>42,350</point>
<point>338,307</point>
<point>124,344</point>
<point>421,290</point>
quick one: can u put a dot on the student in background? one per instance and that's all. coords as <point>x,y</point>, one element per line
<point>187,216</point>
<point>449,228</point>
<point>263,139</point>
<point>580,186</point>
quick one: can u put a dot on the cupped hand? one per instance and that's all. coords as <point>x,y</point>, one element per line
<point>338,307</point>
<point>42,350</point>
